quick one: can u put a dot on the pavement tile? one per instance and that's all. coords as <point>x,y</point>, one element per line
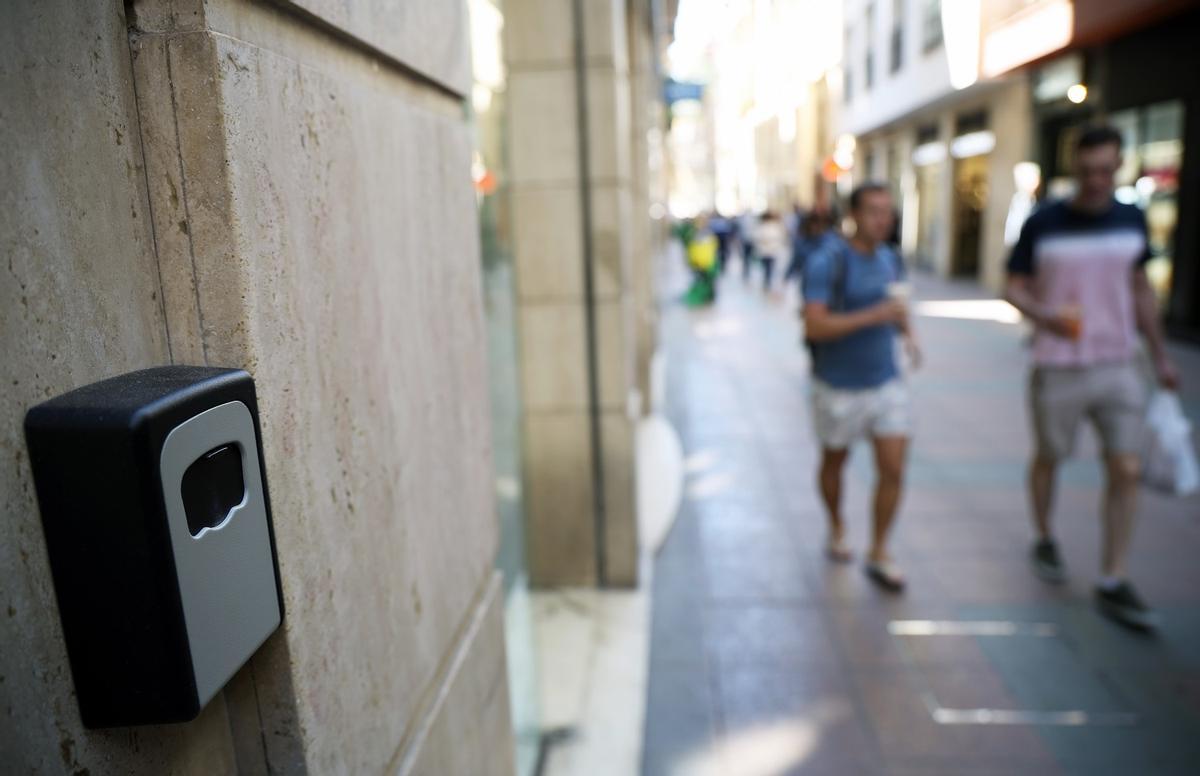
<point>679,718</point>
<point>865,641</point>
<point>776,576</point>
<point>758,633</point>
<point>811,713</point>
<point>896,709</point>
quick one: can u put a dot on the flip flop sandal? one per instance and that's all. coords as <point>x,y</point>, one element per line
<point>886,576</point>
<point>838,552</point>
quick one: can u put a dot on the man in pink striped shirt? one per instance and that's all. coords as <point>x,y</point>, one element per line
<point>1077,273</point>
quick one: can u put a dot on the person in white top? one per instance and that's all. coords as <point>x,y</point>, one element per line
<point>773,245</point>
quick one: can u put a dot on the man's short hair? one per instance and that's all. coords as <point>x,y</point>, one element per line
<point>1099,135</point>
<point>863,189</point>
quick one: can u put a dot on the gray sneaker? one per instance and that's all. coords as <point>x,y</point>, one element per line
<point>1046,562</point>
<point>1123,606</point>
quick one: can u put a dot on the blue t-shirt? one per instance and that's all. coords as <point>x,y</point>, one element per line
<point>866,358</point>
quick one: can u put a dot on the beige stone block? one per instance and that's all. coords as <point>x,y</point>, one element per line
<point>614,351</point>
<point>336,254</point>
<point>430,37</point>
<point>538,33</point>
<point>620,500</point>
<point>543,137</point>
<point>548,243</point>
<point>164,175</point>
<point>606,40</point>
<point>613,229</point>
<point>80,300</point>
<point>553,356</point>
<point>609,124</point>
<point>468,730</point>
<point>559,499</point>
<point>166,15</point>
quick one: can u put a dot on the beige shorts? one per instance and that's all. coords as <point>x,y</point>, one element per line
<point>1111,396</point>
<point>841,416</point>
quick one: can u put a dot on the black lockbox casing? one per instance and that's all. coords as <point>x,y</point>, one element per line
<point>95,457</point>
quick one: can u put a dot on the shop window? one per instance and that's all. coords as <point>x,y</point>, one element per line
<point>931,26</point>
<point>847,73</point>
<point>1149,178</point>
<point>897,35</point>
<point>869,64</point>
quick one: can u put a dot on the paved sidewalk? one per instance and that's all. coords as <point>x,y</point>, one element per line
<point>765,659</point>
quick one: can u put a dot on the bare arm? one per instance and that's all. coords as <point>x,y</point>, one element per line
<point>1018,292</point>
<point>822,325</point>
<point>1146,311</point>
<point>912,346</point>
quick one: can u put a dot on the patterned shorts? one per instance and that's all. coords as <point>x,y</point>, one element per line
<point>1111,396</point>
<point>842,415</point>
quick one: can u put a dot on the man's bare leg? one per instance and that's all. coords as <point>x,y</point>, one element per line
<point>1042,475</point>
<point>829,480</point>
<point>890,454</point>
<point>1120,504</point>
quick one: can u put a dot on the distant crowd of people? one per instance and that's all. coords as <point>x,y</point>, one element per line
<point>1076,273</point>
<point>767,242</point>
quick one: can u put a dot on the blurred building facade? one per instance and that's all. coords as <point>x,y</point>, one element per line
<point>773,113</point>
<point>305,189</point>
<point>969,109</point>
<point>966,109</point>
<point>1133,65</point>
<point>944,140</point>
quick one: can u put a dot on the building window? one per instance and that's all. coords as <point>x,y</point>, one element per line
<point>847,74</point>
<point>931,33</point>
<point>897,35</point>
<point>869,64</point>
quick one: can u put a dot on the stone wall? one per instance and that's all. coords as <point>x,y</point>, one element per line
<point>284,188</point>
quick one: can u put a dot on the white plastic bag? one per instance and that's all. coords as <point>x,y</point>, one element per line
<point>1168,459</point>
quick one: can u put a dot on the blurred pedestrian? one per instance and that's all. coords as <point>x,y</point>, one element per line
<point>815,228</point>
<point>772,244</point>
<point>1077,272</point>
<point>793,221</point>
<point>746,226</point>
<point>723,229</point>
<point>853,313</point>
<point>700,250</point>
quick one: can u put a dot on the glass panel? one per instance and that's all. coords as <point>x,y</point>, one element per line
<point>929,220</point>
<point>897,35</point>
<point>869,64</point>
<point>488,106</point>
<point>1149,177</point>
<point>931,34</point>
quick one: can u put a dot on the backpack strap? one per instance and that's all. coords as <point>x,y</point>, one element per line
<point>898,264</point>
<point>837,294</point>
<point>837,277</point>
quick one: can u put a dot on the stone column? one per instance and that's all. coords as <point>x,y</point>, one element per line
<point>646,115</point>
<point>576,395</point>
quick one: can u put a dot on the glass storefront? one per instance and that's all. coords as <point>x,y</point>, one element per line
<point>489,111</point>
<point>1149,178</point>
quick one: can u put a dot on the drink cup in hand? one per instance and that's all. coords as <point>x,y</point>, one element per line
<point>900,293</point>
<point>1071,317</point>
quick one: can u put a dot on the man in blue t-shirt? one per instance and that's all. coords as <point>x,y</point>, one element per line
<point>853,311</point>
